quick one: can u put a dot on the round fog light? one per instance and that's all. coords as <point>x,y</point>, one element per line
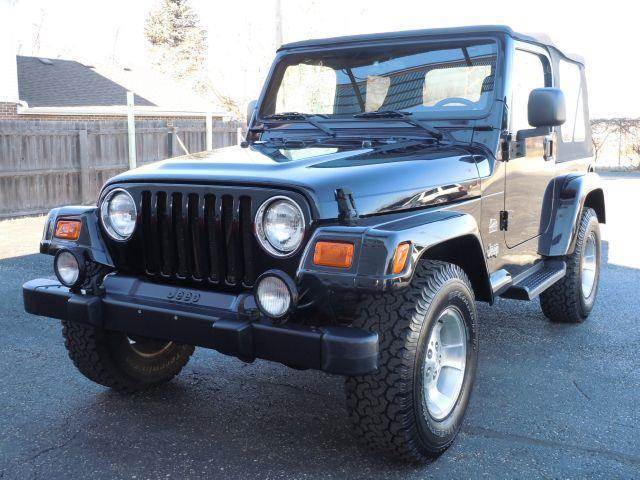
<point>68,268</point>
<point>275,295</point>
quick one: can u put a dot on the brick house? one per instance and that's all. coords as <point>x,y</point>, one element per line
<point>64,129</point>
<point>34,88</point>
<point>58,89</point>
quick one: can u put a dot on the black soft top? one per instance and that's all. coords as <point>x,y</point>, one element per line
<point>540,39</point>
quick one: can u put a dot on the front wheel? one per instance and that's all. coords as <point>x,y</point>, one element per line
<point>413,406</point>
<point>124,363</point>
<point>571,299</point>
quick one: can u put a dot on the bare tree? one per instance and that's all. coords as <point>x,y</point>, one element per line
<point>620,135</point>
<point>635,148</point>
<point>35,44</point>
<point>179,48</point>
<point>114,59</point>
<point>627,133</point>
<point>601,130</point>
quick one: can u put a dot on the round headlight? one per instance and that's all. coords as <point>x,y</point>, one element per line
<point>280,226</point>
<point>68,268</point>
<point>273,297</point>
<point>118,214</point>
<point>275,294</point>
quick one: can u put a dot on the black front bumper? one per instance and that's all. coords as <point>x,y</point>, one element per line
<point>225,322</point>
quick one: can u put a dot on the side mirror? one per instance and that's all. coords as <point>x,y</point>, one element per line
<point>546,107</point>
<point>251,107</point>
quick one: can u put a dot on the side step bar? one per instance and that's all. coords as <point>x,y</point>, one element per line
<point>536,280</point>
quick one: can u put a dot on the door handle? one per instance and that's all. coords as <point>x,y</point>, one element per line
<point>549,146</point>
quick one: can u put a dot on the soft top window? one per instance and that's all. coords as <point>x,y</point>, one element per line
<point>573,129</point>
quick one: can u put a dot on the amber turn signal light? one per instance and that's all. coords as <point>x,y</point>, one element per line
<point>68,229</point>
<point>400,257</point>
<point>333,254</point>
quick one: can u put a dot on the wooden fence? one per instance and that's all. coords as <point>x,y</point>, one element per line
<point>44,164</point>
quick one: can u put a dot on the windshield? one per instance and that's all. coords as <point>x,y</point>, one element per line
<point>428,80</point>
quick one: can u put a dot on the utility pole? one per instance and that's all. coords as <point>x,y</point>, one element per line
<point>278,24</point>
<point>278,41</point>
<point>131,130</point>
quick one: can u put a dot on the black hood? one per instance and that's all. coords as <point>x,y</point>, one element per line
<point>380,181</point>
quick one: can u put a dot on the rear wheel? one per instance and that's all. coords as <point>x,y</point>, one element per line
<point>413,406</point>
<point>123,363</point>
<point>571,299</point>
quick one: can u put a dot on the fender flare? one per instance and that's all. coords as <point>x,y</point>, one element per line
<point>571,194</point>
<point>376,246</point>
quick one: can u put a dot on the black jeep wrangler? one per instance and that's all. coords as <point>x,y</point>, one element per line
<point>386,183</point>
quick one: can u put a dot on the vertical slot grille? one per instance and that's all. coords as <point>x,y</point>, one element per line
<point>246,227</point>
<point>230,228</point>
<point>200,237</point>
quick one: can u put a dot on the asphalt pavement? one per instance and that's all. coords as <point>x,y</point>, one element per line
<point>550,401</point>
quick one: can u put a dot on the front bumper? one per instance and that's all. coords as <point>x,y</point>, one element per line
<point>225,322</point>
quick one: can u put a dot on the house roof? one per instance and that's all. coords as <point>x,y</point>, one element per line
<point>540,39</point>
<point>44,82</point>
<point>47,84</point>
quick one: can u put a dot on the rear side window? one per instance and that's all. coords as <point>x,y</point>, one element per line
<point>573,130</point>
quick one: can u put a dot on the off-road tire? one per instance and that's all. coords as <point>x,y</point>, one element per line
<point>564,301</point>
<point>386,407</point>
<point>106,357</point>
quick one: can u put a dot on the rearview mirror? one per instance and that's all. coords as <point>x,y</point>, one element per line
<point>251,107</point>
<point>546,107</point>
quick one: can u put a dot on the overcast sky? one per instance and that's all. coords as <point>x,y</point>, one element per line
<point>242,34</point>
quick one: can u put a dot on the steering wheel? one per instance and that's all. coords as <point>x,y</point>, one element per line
<point>446,101</point>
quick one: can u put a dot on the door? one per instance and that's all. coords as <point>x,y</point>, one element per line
<point>529,172</point>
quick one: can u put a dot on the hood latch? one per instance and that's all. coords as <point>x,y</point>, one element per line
<point>347,212</point>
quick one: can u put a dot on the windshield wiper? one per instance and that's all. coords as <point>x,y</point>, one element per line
<point>403,116</point>
<point>296,116</point>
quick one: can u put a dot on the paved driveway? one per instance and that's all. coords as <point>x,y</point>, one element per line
<point>551,401</point>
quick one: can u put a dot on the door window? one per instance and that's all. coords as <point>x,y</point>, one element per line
<point>528,74</point>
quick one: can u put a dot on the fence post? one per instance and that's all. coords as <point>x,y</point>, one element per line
<point>131,129</point>
<point>85,168</point>
<point>209,131</point>
<point>239,138</point>
<point>175,147</point>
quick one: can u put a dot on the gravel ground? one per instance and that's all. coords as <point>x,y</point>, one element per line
<point>551,401</point>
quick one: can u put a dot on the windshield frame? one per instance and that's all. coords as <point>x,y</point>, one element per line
<point>281,62</point>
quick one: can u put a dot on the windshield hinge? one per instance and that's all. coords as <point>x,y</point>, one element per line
<point>347,212</point>
<point>504,220</point>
